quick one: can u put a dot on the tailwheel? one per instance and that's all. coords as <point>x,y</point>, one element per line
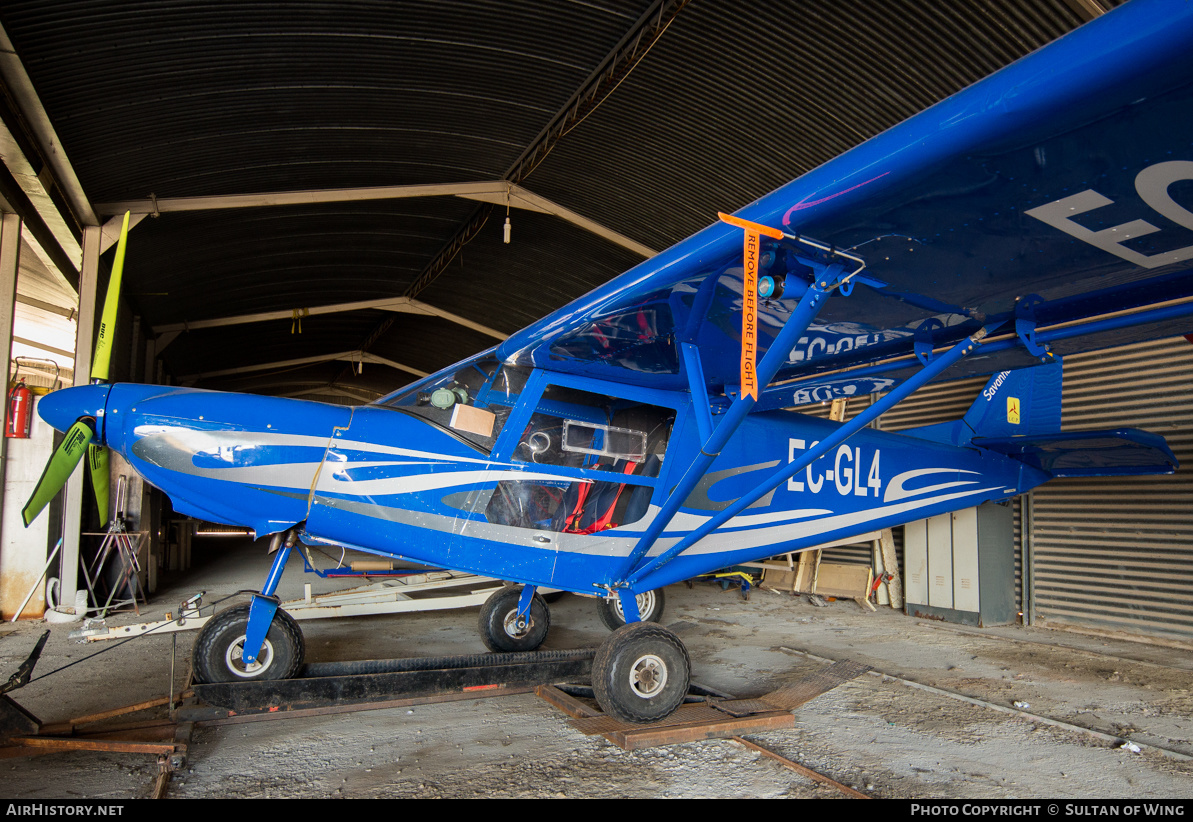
<point>641,673</point>
<point>650,609</point>
<point>219,649</point>
<point>503,631</point>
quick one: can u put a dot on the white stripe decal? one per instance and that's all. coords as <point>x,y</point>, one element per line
<point>684,521</point>
<point>202,441</point>
<point>328,481</point>
<point>744,520</point>
<point>357,445</point>
<point>723,542</point>
<point>733,541</point>
<point>619,542</point>
<point>296,475</point>
<point>895,490</point>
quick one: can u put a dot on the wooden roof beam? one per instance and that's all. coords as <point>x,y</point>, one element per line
<point>25,96</point>
<point>493,191</point>
<point>349,356</point>
<point>168,333</point>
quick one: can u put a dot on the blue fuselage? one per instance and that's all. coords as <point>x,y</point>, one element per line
<point>390,482</point>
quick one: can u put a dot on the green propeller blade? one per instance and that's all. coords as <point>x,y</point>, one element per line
<point>97,461</point>
<point>60,467</point>
<point>78,438</point>
<point>107,323</point>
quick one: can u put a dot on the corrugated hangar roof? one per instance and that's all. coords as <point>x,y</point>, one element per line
<point>611,128</point>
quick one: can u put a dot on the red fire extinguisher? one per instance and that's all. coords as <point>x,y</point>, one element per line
<point>20,411</point>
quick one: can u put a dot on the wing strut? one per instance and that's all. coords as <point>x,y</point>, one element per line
<point>924,375</point>
<point>827,280</point>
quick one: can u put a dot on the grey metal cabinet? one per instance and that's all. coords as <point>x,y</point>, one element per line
<point>960,567</point>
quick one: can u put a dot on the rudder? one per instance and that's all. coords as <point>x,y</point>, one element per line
<point>1023,402</point>
<point>1026,401</point>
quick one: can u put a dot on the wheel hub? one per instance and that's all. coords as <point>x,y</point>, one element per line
<point>234,659</point>
<point>516,626</point>
<point>648,676</point>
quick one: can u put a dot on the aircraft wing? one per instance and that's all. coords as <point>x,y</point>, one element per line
<point>1052,202</point>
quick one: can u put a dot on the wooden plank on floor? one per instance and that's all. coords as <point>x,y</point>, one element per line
<point>67,729</point>
<point>686,714</point>
<point>127,709</point>
<point>110,746</point>
<point>727,726</point>
<point>566,703</point>
<point>800,769</point>
<point>161,785</point>
<point>718,720</point>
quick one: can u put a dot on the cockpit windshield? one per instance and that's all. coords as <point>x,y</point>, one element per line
<point>473,402</point>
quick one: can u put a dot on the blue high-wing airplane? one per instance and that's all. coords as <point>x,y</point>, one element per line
<point>637,436</point>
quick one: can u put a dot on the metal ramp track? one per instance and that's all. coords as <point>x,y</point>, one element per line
<point>325,684</point>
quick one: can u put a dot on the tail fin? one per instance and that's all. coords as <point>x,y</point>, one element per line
<point>1018,403</point>
<point>1026,401</point>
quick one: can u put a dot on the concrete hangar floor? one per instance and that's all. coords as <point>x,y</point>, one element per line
<point>947,712</point>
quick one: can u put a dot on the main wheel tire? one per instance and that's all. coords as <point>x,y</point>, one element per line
<point>650,609</point>
<point>641,673</point>
<point>219,648</point>
<point>499,617</point>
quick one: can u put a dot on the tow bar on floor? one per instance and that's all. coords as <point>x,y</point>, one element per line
<point>430,591</point>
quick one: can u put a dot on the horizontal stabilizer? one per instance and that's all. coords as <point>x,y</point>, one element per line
<point>1113,453</point>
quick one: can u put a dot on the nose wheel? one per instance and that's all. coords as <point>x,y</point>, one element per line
<point>219,649</point>
<point>641,673</point>
<point>504,631</point>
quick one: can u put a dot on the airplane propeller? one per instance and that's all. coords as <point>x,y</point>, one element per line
<point>81,437</point>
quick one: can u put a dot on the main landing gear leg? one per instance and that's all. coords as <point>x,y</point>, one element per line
<point>629,606</point>
<point>255,641</point>
<point>612,613</point>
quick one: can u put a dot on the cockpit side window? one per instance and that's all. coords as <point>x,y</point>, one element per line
<point>583,432</point>
<point>580,429</point>
<point>472,402</point>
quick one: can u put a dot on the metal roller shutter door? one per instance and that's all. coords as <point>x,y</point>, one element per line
<point>1117,552</point>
